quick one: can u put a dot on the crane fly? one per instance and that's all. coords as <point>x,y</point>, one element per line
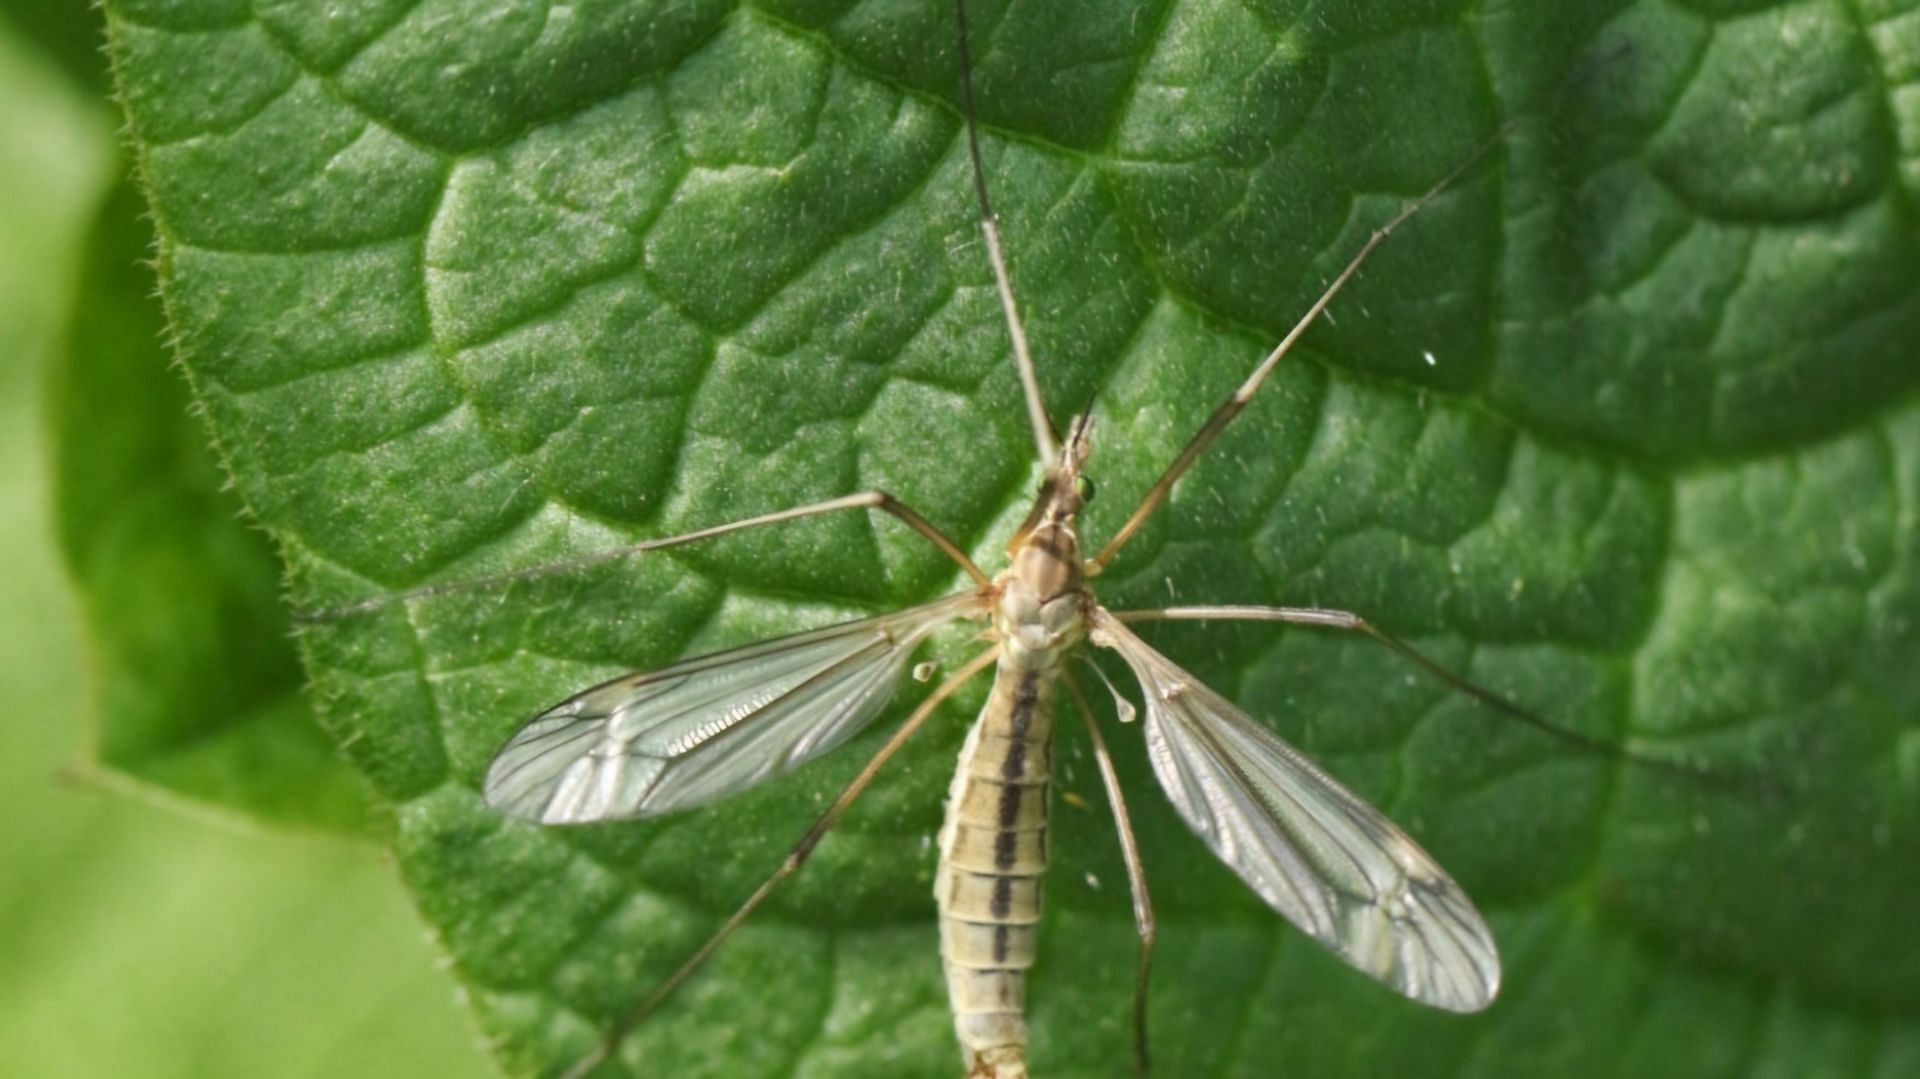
<point>710,727</point>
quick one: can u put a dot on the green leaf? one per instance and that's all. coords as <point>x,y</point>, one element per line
<point>1621,426</point>
<point>198,690</point>
<point>63,34</point>
<point>139,944</point>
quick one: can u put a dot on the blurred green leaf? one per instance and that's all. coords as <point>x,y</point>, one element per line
<point>1622,426</point>
<point>70,35</point>
<point>198,689</point>
<point>137,944</point>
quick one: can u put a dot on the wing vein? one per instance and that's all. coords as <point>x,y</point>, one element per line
<point>713,725</point>
<point>1326,860</point>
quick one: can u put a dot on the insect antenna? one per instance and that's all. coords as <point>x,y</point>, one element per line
<point>1045,439</point>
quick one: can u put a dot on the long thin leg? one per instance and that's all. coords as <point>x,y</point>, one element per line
<point>879,500</point>
<point>1136,876</point>
<point>794,860</point>
<point>1232,406</point>
<point>1044,439</point>
<point>1347,621</point>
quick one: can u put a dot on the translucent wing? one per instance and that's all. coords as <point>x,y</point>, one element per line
<point>1331,863</point>
<point>711,726</point>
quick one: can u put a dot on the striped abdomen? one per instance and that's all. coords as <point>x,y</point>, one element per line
<point>993,850</point>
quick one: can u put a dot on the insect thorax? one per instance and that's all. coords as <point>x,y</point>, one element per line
<point>1041,611</point>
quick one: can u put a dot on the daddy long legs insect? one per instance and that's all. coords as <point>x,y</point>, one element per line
<point>701,730</point>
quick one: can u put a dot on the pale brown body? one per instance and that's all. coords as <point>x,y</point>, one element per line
<point>1311,849</point>
<point>993,846</point>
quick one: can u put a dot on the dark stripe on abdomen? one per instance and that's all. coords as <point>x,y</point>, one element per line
<point>1001,903</point>
<point>1026,697</point>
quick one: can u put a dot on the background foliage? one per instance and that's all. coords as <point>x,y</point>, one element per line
<point>1623,427</point>
<point>204,939</point>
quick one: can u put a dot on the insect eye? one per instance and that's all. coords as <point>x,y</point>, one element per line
<point>1083,486</point>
